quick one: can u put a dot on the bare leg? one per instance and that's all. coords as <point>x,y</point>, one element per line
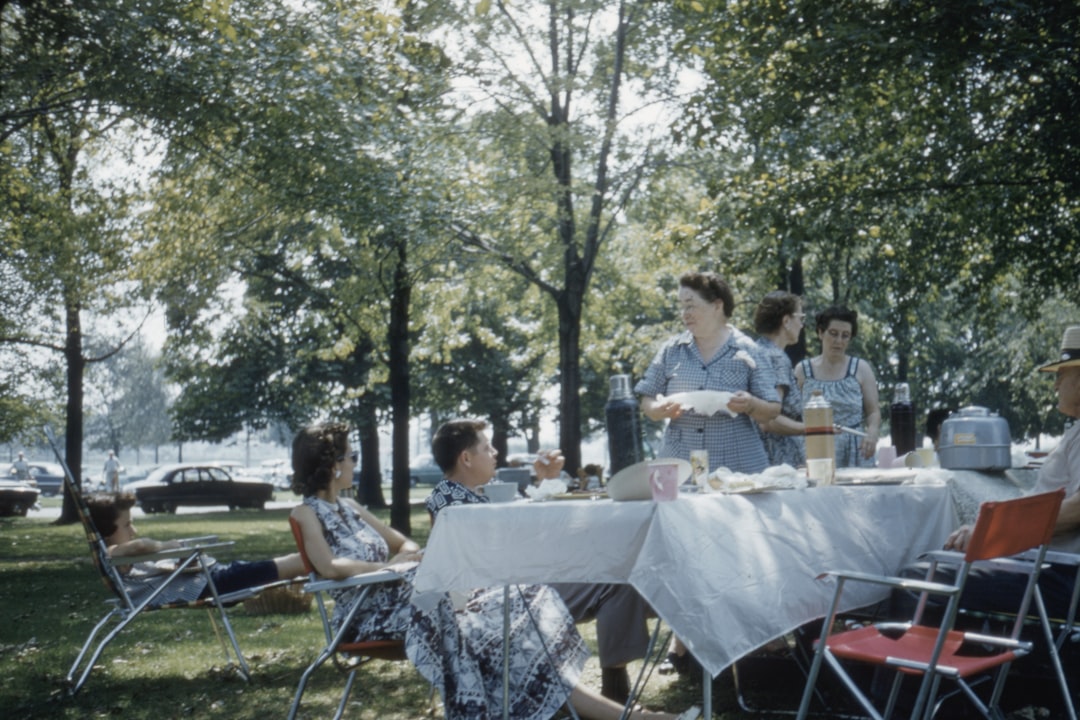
<point>290,566</point>
<point>593,706</point>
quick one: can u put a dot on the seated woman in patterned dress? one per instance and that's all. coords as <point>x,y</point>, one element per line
<point>458,649</point>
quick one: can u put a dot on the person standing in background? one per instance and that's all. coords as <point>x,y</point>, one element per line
<point>778,320</point>
<point>22,470</point>
<point>111,473</point>
<point>847,382</point>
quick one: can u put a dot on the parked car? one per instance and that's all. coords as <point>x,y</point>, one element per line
<point>424,471</point>
<point>16,498</point>
<point>239,470</point>
<point>46,477</point>
<point>168,487</point>
<point>277,472</point>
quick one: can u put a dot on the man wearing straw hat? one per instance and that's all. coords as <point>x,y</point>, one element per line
<point>1061,468</point>
<point>990,590</point>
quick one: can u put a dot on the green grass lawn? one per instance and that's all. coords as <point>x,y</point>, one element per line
<point>169,664</point>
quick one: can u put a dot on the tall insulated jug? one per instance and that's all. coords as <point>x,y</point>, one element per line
<point>902,421</point>
<point>818,419</point>
<point>623,425</point>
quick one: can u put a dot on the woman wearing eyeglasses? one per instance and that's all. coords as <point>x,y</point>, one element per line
<point>847,382</point>
<point>711,355</point>
<point>778,320</point>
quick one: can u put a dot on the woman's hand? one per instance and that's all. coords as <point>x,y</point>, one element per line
<point>407,556</point>
<point>660,408</point>
<point>741,402</point>
<point>868,445</point>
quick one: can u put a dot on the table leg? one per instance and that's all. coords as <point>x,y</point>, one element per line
<point>506,652</point>
<point>706,700</point>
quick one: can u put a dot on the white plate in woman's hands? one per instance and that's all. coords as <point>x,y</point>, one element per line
<point>703,402</point>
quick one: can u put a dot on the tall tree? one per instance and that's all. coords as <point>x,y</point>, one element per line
<point>556,146</point>
<point>913,155</point>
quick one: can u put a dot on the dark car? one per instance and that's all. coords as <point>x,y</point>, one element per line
<point>424,471</point>
<point>16,498</point>
<point>168,487</point>
<point>47,477</point>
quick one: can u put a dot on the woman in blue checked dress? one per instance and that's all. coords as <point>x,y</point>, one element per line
<point>711,355</point>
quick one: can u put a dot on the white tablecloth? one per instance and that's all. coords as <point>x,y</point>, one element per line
<point>726,572</point>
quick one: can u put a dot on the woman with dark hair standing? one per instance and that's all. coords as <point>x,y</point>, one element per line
<point>711,355</point>
<point>458,649</point>
<point>847,382</point>
<point>778,320</point>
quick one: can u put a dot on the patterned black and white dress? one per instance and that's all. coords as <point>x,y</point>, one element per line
<point>460,650</point>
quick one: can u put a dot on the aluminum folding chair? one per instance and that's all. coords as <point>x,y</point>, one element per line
<point>347,655</point>
<point>1003,530</point>
<point>130,600</point>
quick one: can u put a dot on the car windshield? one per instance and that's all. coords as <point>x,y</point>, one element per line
<point>158,474</point>
<point>423,461</point>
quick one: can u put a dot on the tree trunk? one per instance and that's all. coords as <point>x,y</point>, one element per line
<point>499,440</point>
<point>796,283</point>
<point>570,381</point>
<point>398,342</point>
<point>370,491</point>
<point>73,437</point>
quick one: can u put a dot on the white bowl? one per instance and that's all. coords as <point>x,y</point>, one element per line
<point>632,482</point>
<point>501,492</point>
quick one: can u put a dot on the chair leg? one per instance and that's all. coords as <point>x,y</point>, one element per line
<point>1054,647</point>
<point>308,672</point>
<point>242,666</point>
<point>73,688</point>
<point>345,695</point>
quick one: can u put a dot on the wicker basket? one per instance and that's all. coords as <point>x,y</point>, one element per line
<point>288,600</point>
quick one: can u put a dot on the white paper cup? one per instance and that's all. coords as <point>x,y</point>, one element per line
<point>820,471</point>
<point>886,456</point>
<point>926,455</point>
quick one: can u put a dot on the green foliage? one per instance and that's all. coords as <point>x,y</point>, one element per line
<point>908,159</point>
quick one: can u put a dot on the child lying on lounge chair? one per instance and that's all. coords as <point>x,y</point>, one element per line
<point>111,513</point>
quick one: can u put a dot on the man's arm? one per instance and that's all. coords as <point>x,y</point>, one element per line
<point>1068,518</point>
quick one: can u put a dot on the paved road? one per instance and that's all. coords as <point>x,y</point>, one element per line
<point>54,512</point>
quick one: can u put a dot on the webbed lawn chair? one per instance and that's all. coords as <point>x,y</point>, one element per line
<point>347,655</point>
<point>130,600</point>
<point>1003,530</point>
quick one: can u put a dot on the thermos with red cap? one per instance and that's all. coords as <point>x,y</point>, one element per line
<point>818,419</point>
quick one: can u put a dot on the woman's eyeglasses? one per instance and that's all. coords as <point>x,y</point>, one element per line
<point>355,457</point>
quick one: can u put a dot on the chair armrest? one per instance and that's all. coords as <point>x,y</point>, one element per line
<point>371,578</point>
<point>1058,557</point>
<point>945,557</point>
<point>1013,565</point>
<point>893,581</point>
<point>198,540</point>
<point>170,554</point>
<point>1002,642</point>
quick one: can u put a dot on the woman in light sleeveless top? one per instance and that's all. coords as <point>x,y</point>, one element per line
<point>848,383</point>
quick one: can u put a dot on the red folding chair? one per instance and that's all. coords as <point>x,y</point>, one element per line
<point>347,655</point>
<point>1003,529</point>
